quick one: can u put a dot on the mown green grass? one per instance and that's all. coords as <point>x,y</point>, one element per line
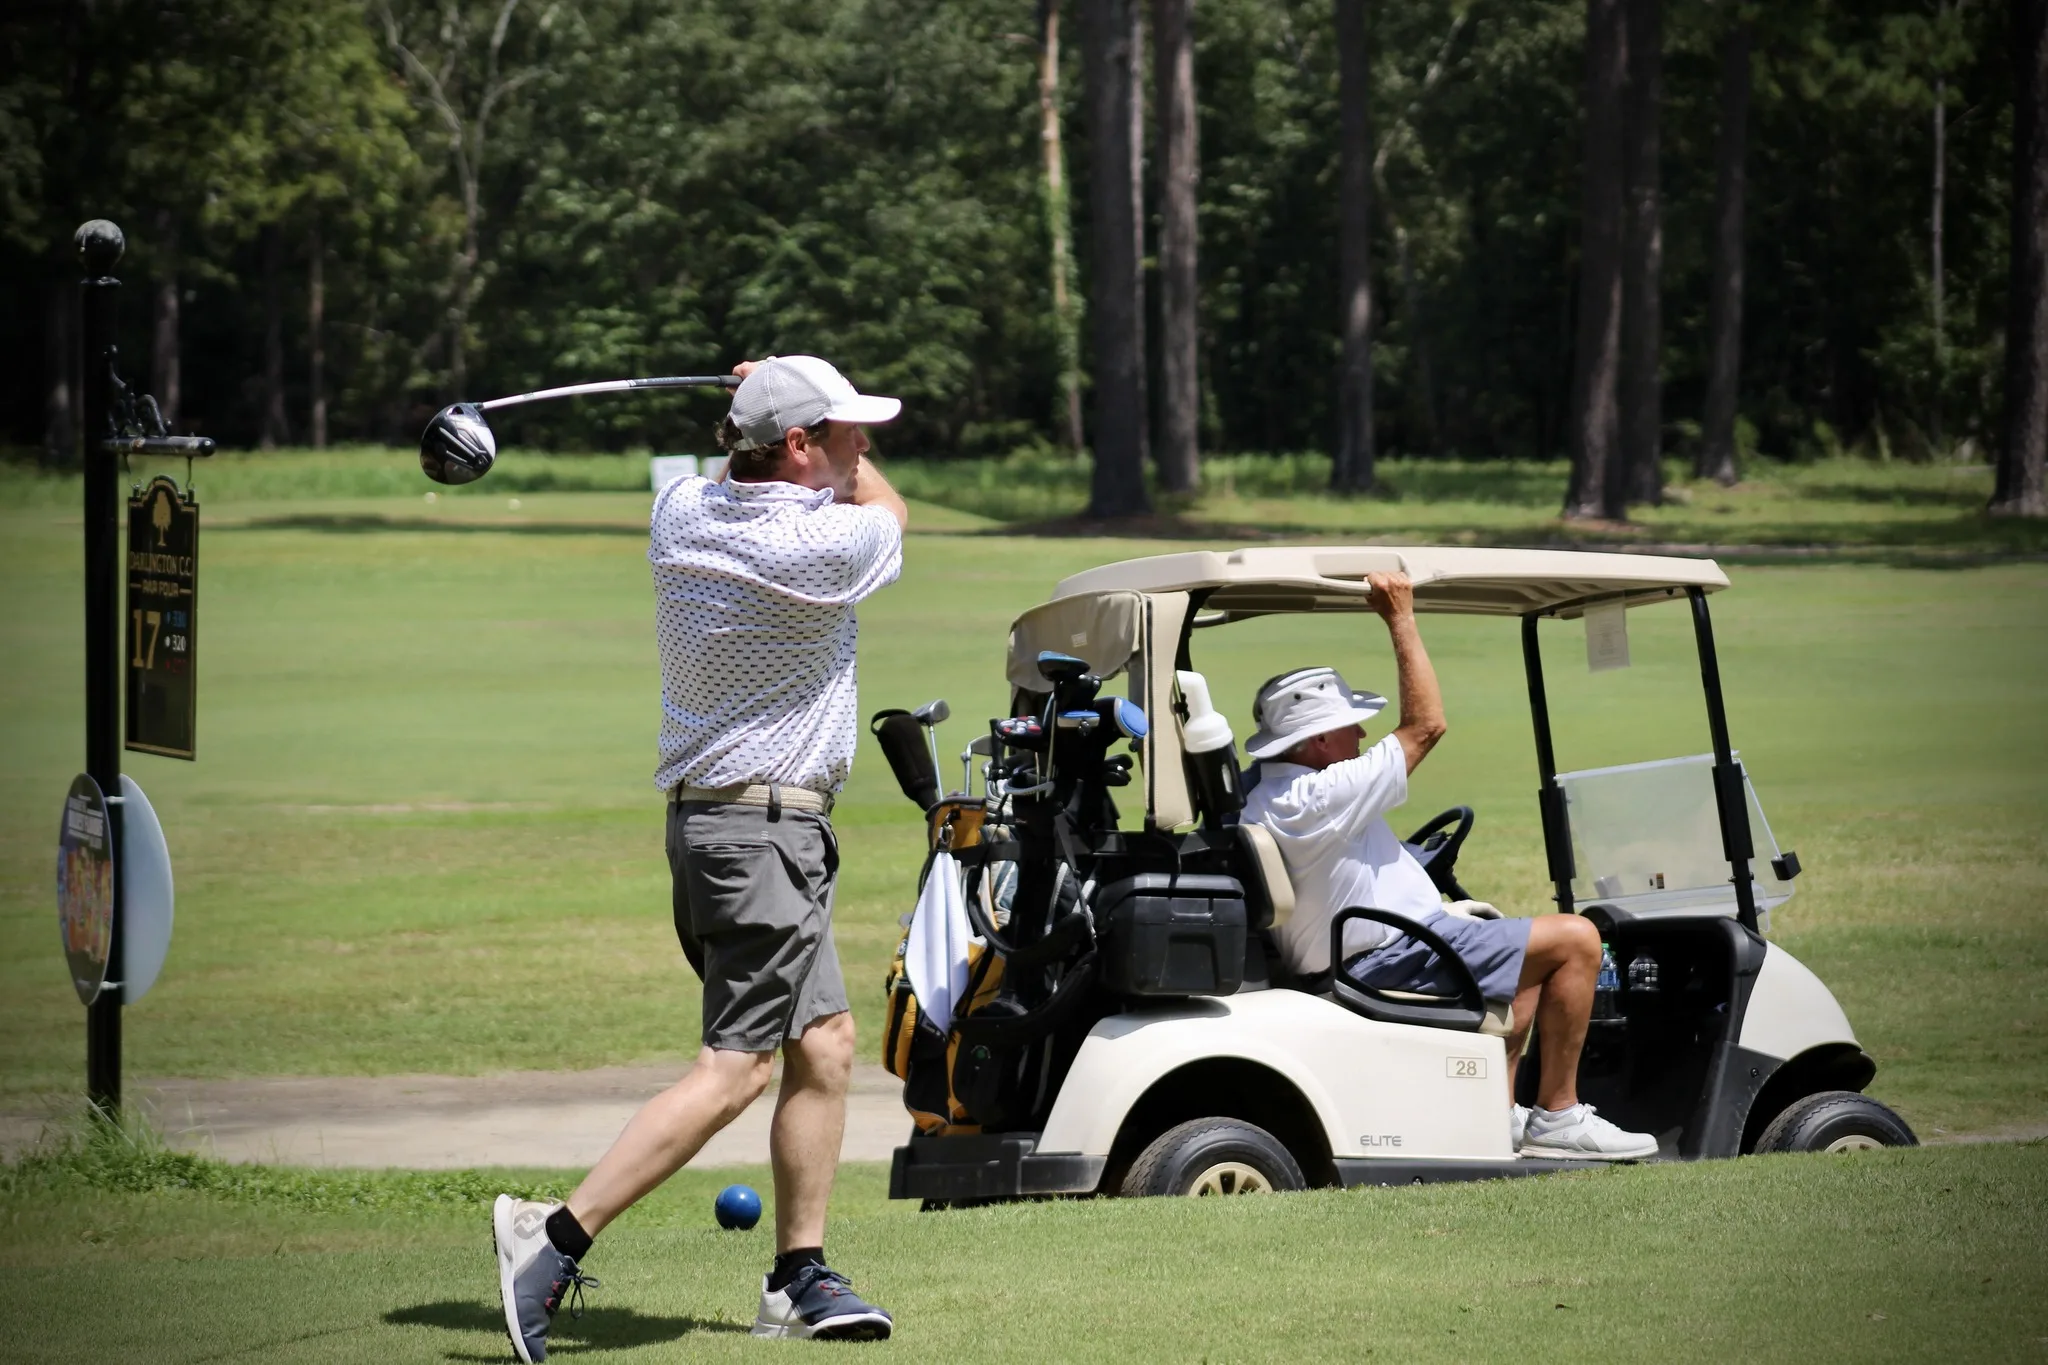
<point>1878,509</point>
<point>1897,1255</point>
<point>422,836</point>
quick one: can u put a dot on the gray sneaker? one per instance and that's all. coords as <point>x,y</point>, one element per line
<point>819,1303</point>
<point>533,1277</point>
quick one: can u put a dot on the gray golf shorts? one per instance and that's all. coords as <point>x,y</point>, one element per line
<point>753,905</point>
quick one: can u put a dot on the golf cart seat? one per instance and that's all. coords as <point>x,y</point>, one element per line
<point>1269,904</point>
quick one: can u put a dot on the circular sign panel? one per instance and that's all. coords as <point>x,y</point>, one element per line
<point>85,886</point>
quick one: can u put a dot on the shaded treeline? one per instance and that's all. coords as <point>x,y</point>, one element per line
<point>365,208</point>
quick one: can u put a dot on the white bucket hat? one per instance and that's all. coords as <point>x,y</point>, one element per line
<point>800,391</point>
<point>1305,703</point>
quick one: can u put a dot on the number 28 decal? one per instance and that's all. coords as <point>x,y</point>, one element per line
<point>1465,1068</point>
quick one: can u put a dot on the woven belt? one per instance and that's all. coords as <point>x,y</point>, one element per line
<point>773,795</point>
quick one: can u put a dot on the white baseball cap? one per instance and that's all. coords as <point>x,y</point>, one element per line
<point>1305,703</point>
<point>800,391</point>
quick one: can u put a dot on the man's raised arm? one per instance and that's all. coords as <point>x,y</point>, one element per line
<point>870,489</point>
<point>1422,704</point>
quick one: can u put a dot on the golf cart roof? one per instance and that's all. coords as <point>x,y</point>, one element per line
<point>1469,582</point>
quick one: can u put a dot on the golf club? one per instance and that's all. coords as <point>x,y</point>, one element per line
<point>984,747</point>
<point>929,716</point>
<point>457,447</point>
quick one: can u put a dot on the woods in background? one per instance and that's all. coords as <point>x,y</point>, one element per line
<point>1615,229</point>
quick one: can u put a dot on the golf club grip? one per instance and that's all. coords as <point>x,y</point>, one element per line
<point>680,381</point>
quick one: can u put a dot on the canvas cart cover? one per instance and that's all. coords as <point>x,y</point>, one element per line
<point>1102,628</point>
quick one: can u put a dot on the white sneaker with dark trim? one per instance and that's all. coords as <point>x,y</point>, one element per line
<point>1580,1134</point>
<point>819,1303</point>
<point>533,1277</point>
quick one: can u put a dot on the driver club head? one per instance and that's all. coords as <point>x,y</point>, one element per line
<point>457,447</point>
<point>933,712</point>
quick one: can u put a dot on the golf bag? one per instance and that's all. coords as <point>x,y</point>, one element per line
<point>1033,852</point>
<point>997,1064</point>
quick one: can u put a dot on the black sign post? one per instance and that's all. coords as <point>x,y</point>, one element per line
<point>163,619</point>
<point>115,424</point>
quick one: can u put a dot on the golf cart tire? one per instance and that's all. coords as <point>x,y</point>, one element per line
<point>1227,1156</point>
<point>1835,1121</point>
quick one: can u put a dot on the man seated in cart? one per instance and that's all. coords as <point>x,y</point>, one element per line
<point>1325,797</point>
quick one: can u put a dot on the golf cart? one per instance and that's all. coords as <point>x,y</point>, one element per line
<point>1120,1021</point>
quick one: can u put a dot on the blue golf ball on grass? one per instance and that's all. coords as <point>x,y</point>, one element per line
<point>737,1207</point>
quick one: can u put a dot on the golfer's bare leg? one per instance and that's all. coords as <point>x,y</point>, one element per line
<point>1559,970</point>
<point>1526,998</point>
<point>668,1131</point>
<point>810,1119</point>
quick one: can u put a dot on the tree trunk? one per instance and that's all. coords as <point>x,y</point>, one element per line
<point>1352,467</point>
<point>1057,218</point>
<point>1180,400</point>
<point>165,376</point>
<point>1724,299</point>
<point>1142,312</point>
<point>316,340</point>
<point>1642,323</point>
<point>1119,478</point>
<point>2021,491</point>
<point>60,363</point>
<point>275,431</point>
<point>1936,285</point>
<point>1597,487</point>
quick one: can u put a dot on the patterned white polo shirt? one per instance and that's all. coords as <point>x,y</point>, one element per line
<point>754,586</point>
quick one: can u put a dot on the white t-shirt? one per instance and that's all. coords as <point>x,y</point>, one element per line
<point>1340,851</point>
<point>754,587</point>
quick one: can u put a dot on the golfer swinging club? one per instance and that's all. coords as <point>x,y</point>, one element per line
<point>756,578</point>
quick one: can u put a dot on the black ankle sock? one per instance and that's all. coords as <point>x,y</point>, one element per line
<point>787,1264</point>
<point>566,1235</point>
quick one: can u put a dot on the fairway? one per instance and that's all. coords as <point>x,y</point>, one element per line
<point>422,836</point>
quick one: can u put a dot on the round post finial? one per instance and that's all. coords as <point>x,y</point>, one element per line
<point>100,245</point>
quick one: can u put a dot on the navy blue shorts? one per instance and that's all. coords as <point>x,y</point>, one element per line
<point>1492,948</point>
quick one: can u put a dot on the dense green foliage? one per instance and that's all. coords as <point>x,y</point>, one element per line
<point>668,186</point>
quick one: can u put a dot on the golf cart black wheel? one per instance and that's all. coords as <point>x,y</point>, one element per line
<point>1835,1121</point>
<point>1213,1156</point>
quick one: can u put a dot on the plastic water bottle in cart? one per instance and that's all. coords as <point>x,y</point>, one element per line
<point>1607,985</point>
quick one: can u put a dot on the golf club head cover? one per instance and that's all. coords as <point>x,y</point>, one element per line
<point>457,447</point>
<point>903,744</point>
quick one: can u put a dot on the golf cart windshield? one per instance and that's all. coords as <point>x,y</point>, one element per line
<point>1646,840</point>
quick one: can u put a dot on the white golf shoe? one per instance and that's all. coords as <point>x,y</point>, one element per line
<point>533,1277</point>
<point>1518,1126</point>
<point>1580,1134</point>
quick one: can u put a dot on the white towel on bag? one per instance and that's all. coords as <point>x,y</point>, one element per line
<point>936,957</point>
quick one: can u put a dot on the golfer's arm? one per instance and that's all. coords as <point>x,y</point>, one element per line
<point>870,489</point>
<point>1422,704</point>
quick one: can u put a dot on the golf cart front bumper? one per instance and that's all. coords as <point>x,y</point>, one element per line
<point>988,1166</point>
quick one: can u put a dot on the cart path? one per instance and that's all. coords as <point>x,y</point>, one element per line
<point>562,1119</point>
<point>520,1118</point>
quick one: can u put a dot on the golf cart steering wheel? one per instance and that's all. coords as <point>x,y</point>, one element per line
<point>1437,851</point>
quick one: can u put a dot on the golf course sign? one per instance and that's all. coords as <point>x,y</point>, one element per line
<point>162,641</point>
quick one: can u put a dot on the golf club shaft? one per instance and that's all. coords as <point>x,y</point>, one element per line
<point>680,381</point>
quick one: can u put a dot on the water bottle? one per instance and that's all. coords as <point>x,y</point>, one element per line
<point>1642,975</point>
<point>1607,985</point>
